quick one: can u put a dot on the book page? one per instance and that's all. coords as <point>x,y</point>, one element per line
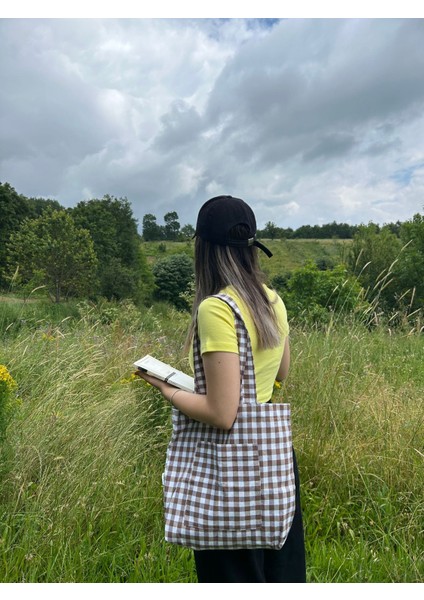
<point>165,372</point>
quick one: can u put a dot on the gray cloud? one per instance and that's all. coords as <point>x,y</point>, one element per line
<point>285,89</point>
<point>309,120</point>
<point>334,145</point>
<point>181,126</point>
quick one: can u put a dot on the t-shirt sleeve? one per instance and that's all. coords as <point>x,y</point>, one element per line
<point>215,322</point>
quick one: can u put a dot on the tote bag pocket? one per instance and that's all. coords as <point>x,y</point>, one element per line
<point>224,492</point>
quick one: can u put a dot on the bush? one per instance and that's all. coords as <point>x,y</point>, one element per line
<point>324,264</point>
<point>172,278</point>
<point>373,259</point>
<point>123,313</point>
<point>314,294</point>
<point>281,282</point>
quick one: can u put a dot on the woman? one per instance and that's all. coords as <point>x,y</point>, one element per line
<point>229,283</point>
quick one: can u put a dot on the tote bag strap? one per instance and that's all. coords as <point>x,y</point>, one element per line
<point>247,371</point>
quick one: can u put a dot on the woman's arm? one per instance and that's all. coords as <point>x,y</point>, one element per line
<point>219,406</point>
<point>283,370</point>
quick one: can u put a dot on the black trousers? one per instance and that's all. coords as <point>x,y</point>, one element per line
<point>286,565</point>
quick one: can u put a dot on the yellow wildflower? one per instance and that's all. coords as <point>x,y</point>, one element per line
<point>277,392</point>
<point>7,383</point>
<point>129,379</point>
<point>48,337</point>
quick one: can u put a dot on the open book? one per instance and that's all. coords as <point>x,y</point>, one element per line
<point>159,369</point>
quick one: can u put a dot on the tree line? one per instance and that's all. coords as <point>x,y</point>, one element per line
<point>90,250</point>
<point>341,231</point>
<point>172,231</point>
<point>94,250</point>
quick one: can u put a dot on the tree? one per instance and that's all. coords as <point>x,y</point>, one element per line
<point>172,278</point>
<point>172,226</point>
<point>14,209</point>
<point>39,205</point>
<point>287,233</point>
<point>118,281</point>
<point>394,227</point>
<point>151,230</point>
<point>411,261</point>
<point>270,231</point>
<point>373,258</point>
<point>53,252</point>
<point>116,241</point>
<point>307,232</point>
<point>335,230</point>
<point>187,232</point>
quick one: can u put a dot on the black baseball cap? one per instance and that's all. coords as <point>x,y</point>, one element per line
<point>219,215</point>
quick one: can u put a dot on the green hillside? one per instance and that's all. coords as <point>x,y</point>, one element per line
<point>292,254</point>
<point>288,254</point>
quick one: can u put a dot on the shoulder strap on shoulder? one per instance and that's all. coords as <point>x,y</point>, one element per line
<point>230,301</point>
<point>247,370</point>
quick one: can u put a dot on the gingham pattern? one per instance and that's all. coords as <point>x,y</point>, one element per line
<point>230,489</point>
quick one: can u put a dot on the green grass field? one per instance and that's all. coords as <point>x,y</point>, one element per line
<point>83,453</point>
<point>292,254</point>
<point>288,254</point>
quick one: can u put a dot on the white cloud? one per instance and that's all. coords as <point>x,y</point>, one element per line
<point>309,120</point>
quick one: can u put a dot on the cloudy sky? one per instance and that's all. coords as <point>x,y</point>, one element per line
<point>308,120</point>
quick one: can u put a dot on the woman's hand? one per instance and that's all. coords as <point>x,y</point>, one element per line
<point>165,388</point>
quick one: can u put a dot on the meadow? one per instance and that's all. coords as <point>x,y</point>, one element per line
<point>290,253</point>
<point>84,447</point>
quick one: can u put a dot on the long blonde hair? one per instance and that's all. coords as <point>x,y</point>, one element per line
<point>218,266</point>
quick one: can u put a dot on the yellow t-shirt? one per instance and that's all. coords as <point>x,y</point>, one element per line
<point>217,333</point>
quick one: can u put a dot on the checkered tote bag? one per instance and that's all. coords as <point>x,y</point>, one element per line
<point>230,489</point>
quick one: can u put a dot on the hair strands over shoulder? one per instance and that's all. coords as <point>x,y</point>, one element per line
<point>217,267</point>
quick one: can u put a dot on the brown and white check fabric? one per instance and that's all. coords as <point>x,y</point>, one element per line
<point>230,489</point>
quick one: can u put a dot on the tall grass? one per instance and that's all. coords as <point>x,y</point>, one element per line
<point>81,500</point>
<point>358,424</point>
<point>81,497</point>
